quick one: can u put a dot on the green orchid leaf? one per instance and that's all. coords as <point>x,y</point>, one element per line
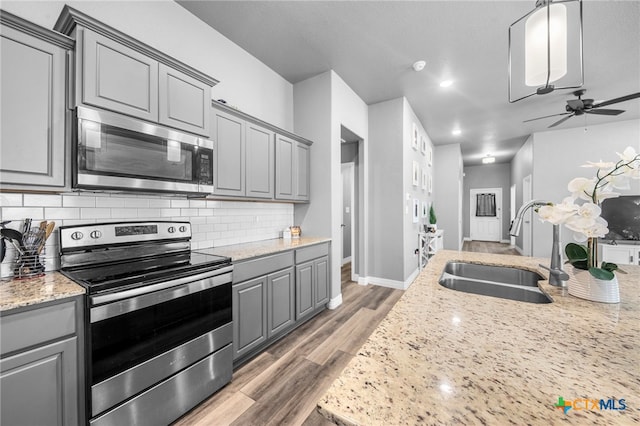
<point>601,274</point>
<point>607,266</point>
<point>576,252</point>
<point>580,264</point>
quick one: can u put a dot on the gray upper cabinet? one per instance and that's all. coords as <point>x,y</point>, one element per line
<point>184,101</point>
<point>259,161</point>
<point>121,74</point>
<point>118,78</point>
<point>292,169</point>
<point>228,135</point>
<point>41,380</point>
<point>33,103</point>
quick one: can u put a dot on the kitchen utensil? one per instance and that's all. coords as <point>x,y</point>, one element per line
<point>13,235</point>
<point>3,249</point>
<point>26,226</point>
<point>47,230</point>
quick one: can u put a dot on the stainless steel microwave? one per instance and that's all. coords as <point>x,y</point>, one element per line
<point>116,152</point>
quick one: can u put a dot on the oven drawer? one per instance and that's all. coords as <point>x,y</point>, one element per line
<point>115,389</point>
<point>184,390</point>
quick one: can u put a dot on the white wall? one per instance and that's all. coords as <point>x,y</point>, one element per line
<point>557,158</point>
<point>245,82</point>
<point>214,223</point>
<point>448,193</point>
<point>521,166</point>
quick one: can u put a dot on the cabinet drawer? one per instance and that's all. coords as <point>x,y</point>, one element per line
<point>261,266</point>
<point>312,252</point>
<point>36,326</point>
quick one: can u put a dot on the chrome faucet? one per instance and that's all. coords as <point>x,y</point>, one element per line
<point>557,277</point>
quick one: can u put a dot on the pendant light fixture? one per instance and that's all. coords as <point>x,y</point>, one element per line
<point>545,49</point>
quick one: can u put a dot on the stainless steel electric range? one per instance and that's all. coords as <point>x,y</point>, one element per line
<point>158,319</point>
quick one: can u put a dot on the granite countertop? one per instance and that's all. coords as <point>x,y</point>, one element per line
<point>16,293</point>
<point>238,252</point>
<point>448,357</point>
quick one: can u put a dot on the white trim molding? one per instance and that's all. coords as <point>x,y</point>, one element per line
<point>399,285</point>
<point>362,280</point>
<point>335,302</point>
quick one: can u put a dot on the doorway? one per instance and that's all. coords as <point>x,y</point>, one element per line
<point>485,214</point>
<point>353,198</point>
<point>348,190</point>
<point>512,212</point>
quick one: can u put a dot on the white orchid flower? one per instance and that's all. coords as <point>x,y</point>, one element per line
<point>597,229</point>
<point>589,210</point>
<point>620,181</point>
<point>558,213</point>
<point>600,164</point>
<point>629,154</point>
<point>582,188</point>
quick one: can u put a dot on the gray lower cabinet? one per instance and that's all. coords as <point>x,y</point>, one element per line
<point>40,378</point>
<point>33,74</point>
<point>312,279</point>
<point>280,301</point>
<point>249,315</point>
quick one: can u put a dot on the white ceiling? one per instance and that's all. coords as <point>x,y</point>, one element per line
<point>371,45</point>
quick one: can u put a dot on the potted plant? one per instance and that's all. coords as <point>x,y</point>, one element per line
<point>432,219</point>
<point>600,283</point>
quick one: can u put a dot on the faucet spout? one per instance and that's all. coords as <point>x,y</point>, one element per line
<point>557,276</point>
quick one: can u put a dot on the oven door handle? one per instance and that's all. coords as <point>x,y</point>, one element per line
<point>125,302</point>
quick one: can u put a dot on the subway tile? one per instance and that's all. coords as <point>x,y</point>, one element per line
<point>159,203</point>
<point>74,222</point>
<point>136,203</point>
<point>197,204</point>
<point>111,202</point>
<point>149,213</point>
<point>195,220</point>
<point>213,204</point>
<point>62,213</point>
<point>205,212</point>
<point>179,204</point>
<point>20,213</point>
<point>73,200</point>
<point>169,212</point>
<point>124,213</point>
<point>42,200</point>
<point>10,200</point>
<point>95,213</point>
<point>189,212</point>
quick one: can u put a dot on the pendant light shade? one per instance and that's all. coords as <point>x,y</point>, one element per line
<point>545,47</point>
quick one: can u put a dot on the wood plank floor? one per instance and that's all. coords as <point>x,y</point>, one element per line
<point>489,247</point>
<point>282,385</point>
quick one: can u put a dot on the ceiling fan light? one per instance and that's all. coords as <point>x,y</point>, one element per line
<point>546,45</point>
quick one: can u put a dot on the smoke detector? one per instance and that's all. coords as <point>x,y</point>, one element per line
<point>419,65</point>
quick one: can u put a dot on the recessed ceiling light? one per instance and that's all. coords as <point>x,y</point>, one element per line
<point>446,83</point>
<point>419,65</point>
<point>456,132</point>
<point>488,160</point>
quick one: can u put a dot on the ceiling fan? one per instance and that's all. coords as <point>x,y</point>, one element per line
<point>587,106</point>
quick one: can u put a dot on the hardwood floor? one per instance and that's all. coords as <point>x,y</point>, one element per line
<point>489,247</point>
<point>282,385</point>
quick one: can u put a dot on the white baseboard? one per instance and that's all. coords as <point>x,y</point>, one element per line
<point>466,239</point>
<point>354,277</point>
<point>362,281</point>
<point>335,302</point>
<point>346,260</point>
<point>399,285</point>
<point>505,241</point>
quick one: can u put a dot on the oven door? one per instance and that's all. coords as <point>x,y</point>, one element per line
<point>119,152</point>
<point>141,336</point>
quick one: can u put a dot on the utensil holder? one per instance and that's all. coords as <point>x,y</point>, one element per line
<point>28,264</point>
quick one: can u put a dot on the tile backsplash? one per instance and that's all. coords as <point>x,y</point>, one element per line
<point>214,223</point>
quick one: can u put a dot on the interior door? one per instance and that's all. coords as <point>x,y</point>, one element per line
<point>347,211</point>
<point>486,214</point>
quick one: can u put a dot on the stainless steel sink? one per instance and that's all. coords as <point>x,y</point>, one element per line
<point>494,281</point>
<point>501,274</point>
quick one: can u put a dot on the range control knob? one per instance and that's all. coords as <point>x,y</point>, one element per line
<point>77,236</point>
<point>95,234</point>
<point>183,229</point>
<point>171,230</point>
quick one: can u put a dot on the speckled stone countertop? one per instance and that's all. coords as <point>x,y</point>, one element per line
<point>445,357</point>
<point>244,251</point>
<point>16,293</point>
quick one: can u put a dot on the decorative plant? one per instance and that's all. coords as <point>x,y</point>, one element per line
<point>584,219</point>
<point>432,215</point>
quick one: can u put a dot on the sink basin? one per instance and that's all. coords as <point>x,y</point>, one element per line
<point>501,274</point>
<point>494,281</point>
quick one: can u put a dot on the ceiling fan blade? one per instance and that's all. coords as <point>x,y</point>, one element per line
<point>575,104</point>
<point>546,116</point>
<point>562,120</point>
<point>616,100</point>
<point>605,111</point>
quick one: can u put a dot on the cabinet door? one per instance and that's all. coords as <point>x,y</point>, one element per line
<point>620,255</point>
<point>184,101</point>
<point>39,386</point>
<point>249,315</point>
<point>304,289</point>
<point>321,278</point>
<point>259,162</point>
<point>228,134</point>
<point>118,78</point>
<point>32,135</point>
<point>301,163</point>
<point>280,301</point>
<point>285,181</point>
